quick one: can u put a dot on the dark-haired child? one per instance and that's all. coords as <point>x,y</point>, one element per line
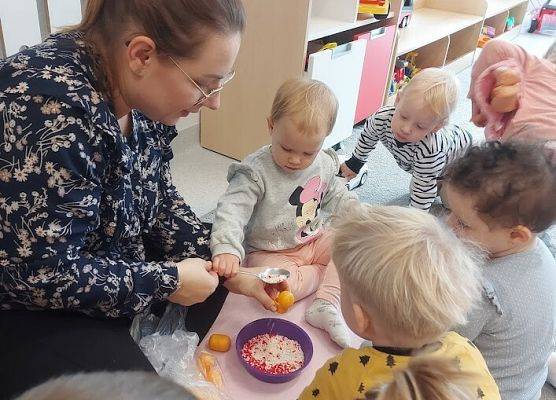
<point>501,196</point>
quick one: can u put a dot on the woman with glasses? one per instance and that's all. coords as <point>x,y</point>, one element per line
<point>89,218</point>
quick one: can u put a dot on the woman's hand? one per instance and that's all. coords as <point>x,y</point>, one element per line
<point>226,265</point>
<point>252,286</point>
<point>196,282</point>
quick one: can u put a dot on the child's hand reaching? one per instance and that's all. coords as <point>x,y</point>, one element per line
<point>226,265</point>
<point>346,172</point>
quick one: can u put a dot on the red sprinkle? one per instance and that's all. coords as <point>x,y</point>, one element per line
<point>273,354</point>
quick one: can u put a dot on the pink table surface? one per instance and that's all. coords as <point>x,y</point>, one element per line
<point>237,312</point>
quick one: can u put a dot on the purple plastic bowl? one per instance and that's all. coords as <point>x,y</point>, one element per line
<point>280,327</point>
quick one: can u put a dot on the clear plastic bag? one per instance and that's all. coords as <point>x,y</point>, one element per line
<point>147,323</point>
<point>173,357</point>
<point>143,325</point>
<point>171,351</point>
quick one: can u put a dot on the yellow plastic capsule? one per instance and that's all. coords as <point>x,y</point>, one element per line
<point>219,342</point>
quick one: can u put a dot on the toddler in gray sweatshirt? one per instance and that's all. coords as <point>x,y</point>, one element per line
<point>274,211</point>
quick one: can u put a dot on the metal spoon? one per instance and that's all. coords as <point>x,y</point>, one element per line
<point>271,276</point>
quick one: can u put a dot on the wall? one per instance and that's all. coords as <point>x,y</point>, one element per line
<point>20,21</point>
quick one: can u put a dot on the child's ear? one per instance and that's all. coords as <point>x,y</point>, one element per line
<point>270,125</point>
<point>361,319</point>
<point>521,234</point>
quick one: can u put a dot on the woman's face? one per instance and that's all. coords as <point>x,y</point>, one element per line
<point>152,83</point>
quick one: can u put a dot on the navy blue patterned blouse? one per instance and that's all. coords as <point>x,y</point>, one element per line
<point>89,218</point>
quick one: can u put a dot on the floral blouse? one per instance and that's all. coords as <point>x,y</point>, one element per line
<point>89,218</point>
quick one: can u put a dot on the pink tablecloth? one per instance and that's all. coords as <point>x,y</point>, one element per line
<point>237,312</point>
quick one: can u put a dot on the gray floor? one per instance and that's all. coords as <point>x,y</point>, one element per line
<point>200,175</point>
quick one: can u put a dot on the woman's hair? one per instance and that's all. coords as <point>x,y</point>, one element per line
<point>438,88</point>
<point>428,378</point>
<point>311,104</point>
<point>512,183</point>
<point>407,268</point>
<point>108,385</point>
<point>178,27</point>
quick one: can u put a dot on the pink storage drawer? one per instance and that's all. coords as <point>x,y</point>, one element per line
<point>376,65</point>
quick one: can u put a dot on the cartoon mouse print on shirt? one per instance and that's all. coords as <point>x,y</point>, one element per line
<point>308,201</point>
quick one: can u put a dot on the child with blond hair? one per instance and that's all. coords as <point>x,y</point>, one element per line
<point>502,196</point>
<point>415,132</point>
<point>405,281</point>
<point>427,378</point>
<point>274,211</point>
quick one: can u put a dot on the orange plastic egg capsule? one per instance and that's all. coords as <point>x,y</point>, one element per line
<point>218,342</point>
<point>280,309</point>
<point>284,301</point>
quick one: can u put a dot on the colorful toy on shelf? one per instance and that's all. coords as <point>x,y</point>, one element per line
<point>546,21</point>
<point>379,8</point>
<point>489,31</point>
<point>404,70</point>
<point>411,68</point>
<point>407,11</point>
<point>399,71</point>
<point>391,88</point>
<point>510,23</point>
<point>400,78</point>
<point>483,40</point>
<point>329,46</point>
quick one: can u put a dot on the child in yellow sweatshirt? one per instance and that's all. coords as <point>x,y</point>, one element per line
<point>405,281</point>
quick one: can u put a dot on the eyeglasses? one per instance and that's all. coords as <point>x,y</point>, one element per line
<point>204,95</point>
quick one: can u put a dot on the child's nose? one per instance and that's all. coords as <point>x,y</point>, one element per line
<point>294,160</point>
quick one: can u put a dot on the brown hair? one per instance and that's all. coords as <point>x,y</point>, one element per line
<point>178,27</point>
<point>428,378</point>
<point>513,183</point>
<point>311,103</point>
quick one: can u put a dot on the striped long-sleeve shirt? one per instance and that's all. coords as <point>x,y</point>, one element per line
<point>425,160</point>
